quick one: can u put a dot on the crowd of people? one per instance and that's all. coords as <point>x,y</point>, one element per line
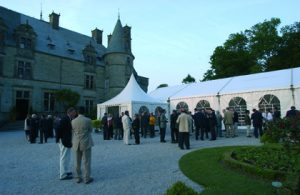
<point>205,123</point>
<point>41,127</point>
<point>74,131</point>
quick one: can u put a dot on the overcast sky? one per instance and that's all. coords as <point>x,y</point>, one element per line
<point>170,38</point>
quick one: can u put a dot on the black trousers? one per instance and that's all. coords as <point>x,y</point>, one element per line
<point>184,138</point>
<point>162,134</point>
<point>137,136</point>
<point>105,133</point>
<point>151,128</point>
<point>43,136</point>
<point>197,132</point>
<point>202,131</point>
<point>174,134</point>
<point>258,129</point>
<point>144,131</point>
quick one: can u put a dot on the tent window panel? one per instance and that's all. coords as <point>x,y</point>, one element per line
<point>143,109</point>
<point>181,105</point>
<point>202,104</point>
<point>269,101</point>
<point>240,106</point>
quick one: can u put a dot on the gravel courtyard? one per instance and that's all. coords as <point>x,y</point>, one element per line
<point>149,168</point>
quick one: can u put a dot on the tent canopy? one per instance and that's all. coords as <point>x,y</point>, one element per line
<point>131,93</point>
<point>281,79</point>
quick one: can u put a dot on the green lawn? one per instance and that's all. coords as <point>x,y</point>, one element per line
<point>204,167</point>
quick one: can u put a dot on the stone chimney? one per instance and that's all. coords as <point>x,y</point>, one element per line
<point>108,39</point>
<point>97,35</point>
<point>54,20</point>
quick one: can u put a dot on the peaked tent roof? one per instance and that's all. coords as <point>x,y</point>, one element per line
<point>131,93</point>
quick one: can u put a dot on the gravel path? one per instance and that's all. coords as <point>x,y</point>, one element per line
<point>149,168</point>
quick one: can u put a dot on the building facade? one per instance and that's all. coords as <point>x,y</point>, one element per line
<point>39,58</point>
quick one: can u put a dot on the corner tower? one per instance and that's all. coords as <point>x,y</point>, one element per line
<point>118,60</point>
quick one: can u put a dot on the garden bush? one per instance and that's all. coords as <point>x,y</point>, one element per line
<point>285,131</point>
<point>271,162</point>
<point>179,188</point>
<point>96,124</point>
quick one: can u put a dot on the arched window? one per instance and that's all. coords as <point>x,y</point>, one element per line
<point>240,106</point>
<point>268,101</point>
<point>182,105</point>
<point>158,109</point>
<point>203,104</point>
<point>143,109</point>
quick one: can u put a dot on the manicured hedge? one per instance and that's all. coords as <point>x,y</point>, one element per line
<point>179,188</point>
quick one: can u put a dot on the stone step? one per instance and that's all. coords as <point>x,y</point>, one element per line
<point>13,126</point>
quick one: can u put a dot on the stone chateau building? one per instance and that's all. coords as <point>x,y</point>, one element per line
<point>37,58</point>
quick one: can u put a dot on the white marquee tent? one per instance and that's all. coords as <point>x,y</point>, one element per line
<point>133,99</point>
<point>262,90</point>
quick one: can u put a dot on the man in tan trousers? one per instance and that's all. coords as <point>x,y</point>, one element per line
<point>228,122</point>
<point>82,145</point>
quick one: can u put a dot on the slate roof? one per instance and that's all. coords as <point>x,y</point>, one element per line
<point>62,40</point>
<point>116,43</point>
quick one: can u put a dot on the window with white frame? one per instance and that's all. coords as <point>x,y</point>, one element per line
<point>89,82</point>
<point>49,101</point>
<point>89,106</point>
<point>24,70</point>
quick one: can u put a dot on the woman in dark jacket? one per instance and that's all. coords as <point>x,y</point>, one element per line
<point>136,128</point>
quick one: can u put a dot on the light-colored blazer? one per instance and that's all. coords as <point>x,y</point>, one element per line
<point>184,120</point>
<point>228,118</point>
<point>82,133</point>
<point>126,123</point>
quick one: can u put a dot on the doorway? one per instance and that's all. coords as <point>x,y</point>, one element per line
<point>113,110</point>
<point>22,104</point>
<point>21,108</point>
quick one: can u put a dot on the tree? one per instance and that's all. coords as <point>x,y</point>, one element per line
<point>264,41</point>
<point>188,79</point>
<point>162,85</point>
<point>288,54</point>
<point>231,59</point>
<point>258,49</point>
<point>67,97</point>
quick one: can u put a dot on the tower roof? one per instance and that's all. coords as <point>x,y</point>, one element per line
<point>117,41</point>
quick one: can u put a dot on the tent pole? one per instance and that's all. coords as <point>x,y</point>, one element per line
<point>219,102</point>
<point>292,86</point>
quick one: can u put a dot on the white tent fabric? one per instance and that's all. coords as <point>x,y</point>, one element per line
<point>284,84</point>
<point>131,98</point>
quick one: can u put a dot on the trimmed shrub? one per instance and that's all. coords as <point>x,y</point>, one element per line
<point>96,124</point>
<point>179,188</point>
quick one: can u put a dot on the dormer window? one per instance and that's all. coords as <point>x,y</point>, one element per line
<point>71,51</point>
<point>89,59</point>
<point>51,46</point>
<point>89,54</point>
<point>25,43</point>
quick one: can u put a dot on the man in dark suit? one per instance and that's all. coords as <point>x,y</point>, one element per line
<point>82,145</point>
<point>105,127</point>
<point>197,120</point>
<point>64,140</point>
<point>292,112</point>
<point>257,119</point>
<point>174,127</point>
